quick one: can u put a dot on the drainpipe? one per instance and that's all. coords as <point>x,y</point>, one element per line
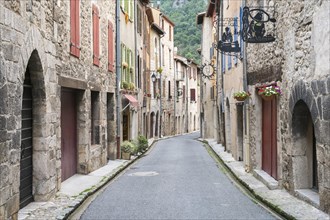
<point>175,95</point>
<point>246,156</point>
<point>118,76</point>
<point>160,88</point>
<point>137,125</point>
<point>221,105</point>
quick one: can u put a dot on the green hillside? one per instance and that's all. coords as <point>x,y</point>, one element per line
<point>187,35</point>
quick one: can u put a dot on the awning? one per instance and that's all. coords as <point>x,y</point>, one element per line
<point>132,100</point>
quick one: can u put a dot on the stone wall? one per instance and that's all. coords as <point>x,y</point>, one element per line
<point>35,35</point>
<point>299,59</point>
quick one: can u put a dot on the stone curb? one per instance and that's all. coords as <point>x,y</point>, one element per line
<point>264,201</point>
<point>81,199</point>
<point>273,207</point>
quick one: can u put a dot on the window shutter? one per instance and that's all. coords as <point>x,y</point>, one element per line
<point>241,28</point>
<point>74,28</point>
<point>223,63</point>
<point>96,31</point>
<point>110,47</point>
<point>192,95</point>
<point>235,37</point>
<point>229,62</point>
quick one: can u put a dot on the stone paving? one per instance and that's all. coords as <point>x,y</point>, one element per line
<point>77,188</point>
<point>73,192</point>
<point>285,203</point>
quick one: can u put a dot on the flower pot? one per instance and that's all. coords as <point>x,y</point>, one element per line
<point>240,98</point>
<point>125,156</point>
<point>267,98</point>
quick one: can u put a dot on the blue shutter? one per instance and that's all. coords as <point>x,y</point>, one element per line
<point>229,62</point>
<point>241,29</point>
<point>235,37</point>
<point>223,63</point>
<point>211,52</point>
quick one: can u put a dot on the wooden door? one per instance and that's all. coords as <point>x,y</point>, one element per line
<point>269,137</point>
<point>69,134</point>
<point>125,126</point>
<point>26,168</point>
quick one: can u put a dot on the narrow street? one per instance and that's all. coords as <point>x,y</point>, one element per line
<point>177,179</point>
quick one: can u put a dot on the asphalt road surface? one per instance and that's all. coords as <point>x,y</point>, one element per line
<point>178,179</point>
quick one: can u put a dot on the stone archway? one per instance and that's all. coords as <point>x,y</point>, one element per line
<point>35,160</point>
<point>304,161</point>
<point>45,119</point>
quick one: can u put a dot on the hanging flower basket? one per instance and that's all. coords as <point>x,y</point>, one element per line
<point>269,93</point>
<point>241,95</point>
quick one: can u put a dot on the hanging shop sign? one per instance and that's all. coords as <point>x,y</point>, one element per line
<point>258,25</point>
<point>208,70</point>
<point>229,43</point>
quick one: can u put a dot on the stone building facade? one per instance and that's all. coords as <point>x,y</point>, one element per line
<point>208,104</point>
<point>45,89</point>
<point>297,62</point>
<point>285,140</point>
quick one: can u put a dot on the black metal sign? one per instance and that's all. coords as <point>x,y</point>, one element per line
<point>229,43</point>
<point>256,26</point>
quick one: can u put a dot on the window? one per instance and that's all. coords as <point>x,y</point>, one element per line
<point>169,90</point>
<point>192,95</point>
<point>127,6</point>
<point>127,67</point>
<point>95,117</point>
<point>75,28</point>
<point>235,37</point>
<point>163,55</point>
<point>96,35</point>
<point>183,93</point>
<point>139,20</point>
<point>110,47</point>
<point>212,91</point>
<point>170,58</point>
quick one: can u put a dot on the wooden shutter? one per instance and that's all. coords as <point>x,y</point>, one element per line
<point>110,47</point>
<point>96,34</point>
<point>235,37</point>
<point>74,28</point>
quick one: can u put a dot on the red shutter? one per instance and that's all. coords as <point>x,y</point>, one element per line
<point>96,44</point>
<point>110,47</point>
<point>74,28</point>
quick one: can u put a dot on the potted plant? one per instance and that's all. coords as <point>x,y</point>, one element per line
<point>124,64</point>
<point>241,95</point>
<point>126,150</point>
<point>131,86</point>
<point>142,143</point>
<point>159,70</point>
<point>125,85</point>
<point>268,93</point>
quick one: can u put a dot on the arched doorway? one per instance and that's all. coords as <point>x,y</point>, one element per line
<point>32,131</point>
<point>156,127</point>
<point>26,163</point>
<point>239,109</point>
<point>152,121</point>
<point>304,160</point>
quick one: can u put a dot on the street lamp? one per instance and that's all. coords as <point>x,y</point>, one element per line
<point>153,77</point>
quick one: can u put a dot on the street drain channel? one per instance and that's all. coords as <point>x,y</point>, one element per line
<point>148,173</point>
